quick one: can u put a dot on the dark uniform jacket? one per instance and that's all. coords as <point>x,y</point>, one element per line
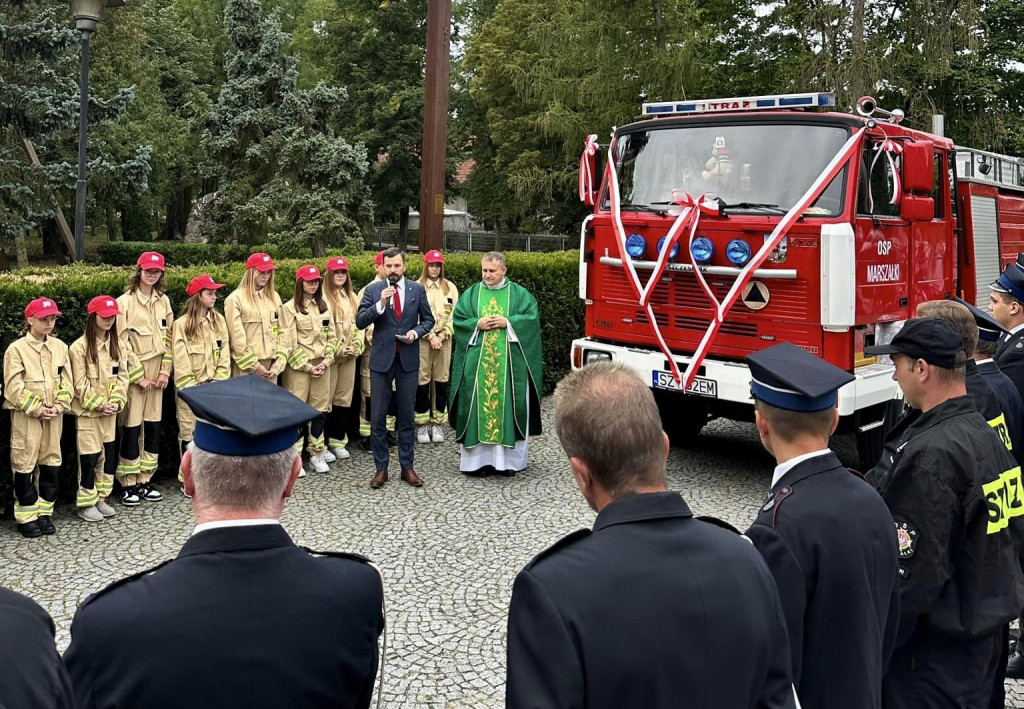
<point>1010,359</point>
<point>652,609</point>
<point>1010,403</point>
<point>241,618</point>
<point>988,405</point>
<point>31,673</point>
<point>830,542</point>
<point>955,494</point>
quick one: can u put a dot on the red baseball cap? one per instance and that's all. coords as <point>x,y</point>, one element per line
<point>201,283</point>
<point>378,260</point>
<point>308,273</point>
<point>434,256</point>
<point>338,263</point>
<point>104,306</point>
<point>151,260</point>
<point>41,308</point>
<point>261,262</point>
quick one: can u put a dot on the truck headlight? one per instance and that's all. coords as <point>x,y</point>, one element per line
<point>591,356</point>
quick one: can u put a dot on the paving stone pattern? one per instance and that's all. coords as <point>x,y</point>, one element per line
<point>449,551</point>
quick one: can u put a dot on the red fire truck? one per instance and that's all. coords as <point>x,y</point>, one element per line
<point>909,218</point>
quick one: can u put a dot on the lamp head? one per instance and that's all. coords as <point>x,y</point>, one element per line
<point>87,13</point>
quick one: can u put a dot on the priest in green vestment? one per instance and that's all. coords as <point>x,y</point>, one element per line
<point>496,372</point>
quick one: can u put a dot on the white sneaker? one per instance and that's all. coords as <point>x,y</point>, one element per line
<point>423,434</point>
<point>302,472</point>
<point>340,453</point>
<point>319,464</point>
<point>328,456</point>
<point>105,509</point>
<point>90,514</point>
<point>436,434</point>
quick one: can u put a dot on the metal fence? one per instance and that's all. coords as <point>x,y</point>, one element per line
<point>479,241</point>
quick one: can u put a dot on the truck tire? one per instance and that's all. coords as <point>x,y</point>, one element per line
<point>682,417</point>
<point>871,443</point>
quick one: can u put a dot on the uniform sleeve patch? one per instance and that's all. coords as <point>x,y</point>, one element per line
<point>906,538</point>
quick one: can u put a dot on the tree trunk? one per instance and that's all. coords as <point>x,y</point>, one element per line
<point>20,250</point>
<point>658,29</point>
<point>859,78</point>
<point>113,224</point>
<point>403,228</point>
<point>178,208</point>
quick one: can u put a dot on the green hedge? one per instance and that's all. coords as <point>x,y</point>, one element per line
<point>125,253</point>
<point>551,277</point>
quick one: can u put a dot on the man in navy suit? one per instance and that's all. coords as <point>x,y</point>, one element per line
<point>398,310</point>
<point>242,617</point>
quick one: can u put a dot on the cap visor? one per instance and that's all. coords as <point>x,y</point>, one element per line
<point>881,350</point>
<point>108,312</point>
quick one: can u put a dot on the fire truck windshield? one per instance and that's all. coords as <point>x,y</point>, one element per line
<point>762,168</point>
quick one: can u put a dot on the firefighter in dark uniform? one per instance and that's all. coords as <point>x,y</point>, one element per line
<point>1006,303</point>
<point>955,494</point>
<point>652,608</point>
<point>826,534</point>
<point>32,675</point>
<point>990,333</point>
<point>242,617</point>
<point>985,398</point>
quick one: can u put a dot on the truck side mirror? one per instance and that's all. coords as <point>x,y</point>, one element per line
<point>917,209</point>
<point>918,169</point>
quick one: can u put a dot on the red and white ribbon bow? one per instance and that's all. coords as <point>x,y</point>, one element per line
<point>891,149</point>
<point>588,163</point>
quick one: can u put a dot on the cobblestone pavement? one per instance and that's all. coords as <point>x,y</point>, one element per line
<point>449,551</point>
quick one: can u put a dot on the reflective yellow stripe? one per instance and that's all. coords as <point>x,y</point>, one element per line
<point>28,401</point>
<point>87,500</point>
<point>1005,499</point>
<point>92,403</point>
<point>185,381</point>
<point>364,428</point>
<point>421,419</point>
<point>136,374</point>
<point>45,508</point>
<point>104,486</point>
<point>246,362</point>
<point>128,469</point>
<point>117,399</point>
<point>148,464</point>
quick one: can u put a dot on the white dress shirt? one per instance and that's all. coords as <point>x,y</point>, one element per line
<point>221,524</point>
<point>784,468</point>
<point>400,292</point>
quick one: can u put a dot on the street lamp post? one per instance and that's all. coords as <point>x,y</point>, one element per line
<point>87,15</point>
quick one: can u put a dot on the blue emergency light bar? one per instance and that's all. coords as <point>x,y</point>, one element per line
<point>749,103</point>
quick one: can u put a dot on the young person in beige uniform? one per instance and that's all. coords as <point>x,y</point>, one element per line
<point>145,320</point>
<point>435,351</point>
<point>98,365</point>
<point>364,363</point>
<point>252,312</point>
<point>37,389</point>
<point>339,296</point>
<point>311,337</point>
<point>199,349</point>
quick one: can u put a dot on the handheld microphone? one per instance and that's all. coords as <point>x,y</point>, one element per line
<point>393,279</point>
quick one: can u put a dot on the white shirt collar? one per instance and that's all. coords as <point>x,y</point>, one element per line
<point>222,523</point>
<point>784,468</point>
<point>983,361</point>
<point>1015,330</point>
<point>497,286</point>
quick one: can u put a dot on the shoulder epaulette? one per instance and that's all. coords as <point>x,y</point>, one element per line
<point>717,522</point>
<point>350,555</point>
<point>122,582</point>
<point>771,505</point>
<point>560,544</point>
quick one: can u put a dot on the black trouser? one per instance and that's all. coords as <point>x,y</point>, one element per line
<point>440,397</point>
<point>939,672</point>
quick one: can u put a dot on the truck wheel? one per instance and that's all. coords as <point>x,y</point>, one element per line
<point>871,443</point>
<point>683,417</point>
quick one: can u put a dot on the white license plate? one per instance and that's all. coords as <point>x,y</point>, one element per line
<point>700,386</point>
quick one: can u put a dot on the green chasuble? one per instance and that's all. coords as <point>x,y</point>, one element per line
<point>496,381</point>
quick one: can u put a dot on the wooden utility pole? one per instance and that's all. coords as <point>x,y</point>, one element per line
<point>435,124</point>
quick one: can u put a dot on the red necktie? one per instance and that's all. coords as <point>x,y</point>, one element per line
<point>398,304</point>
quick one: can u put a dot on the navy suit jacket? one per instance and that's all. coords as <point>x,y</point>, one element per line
<point>416,316</point>
<point>241,618</point>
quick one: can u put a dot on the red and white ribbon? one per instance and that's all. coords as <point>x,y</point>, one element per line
<point>588,163</point>
<point>891,149</point>
<point>835,166</point>
<point>689,216</point>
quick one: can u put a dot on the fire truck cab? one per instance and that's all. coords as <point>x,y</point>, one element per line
<point>910,218</point>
